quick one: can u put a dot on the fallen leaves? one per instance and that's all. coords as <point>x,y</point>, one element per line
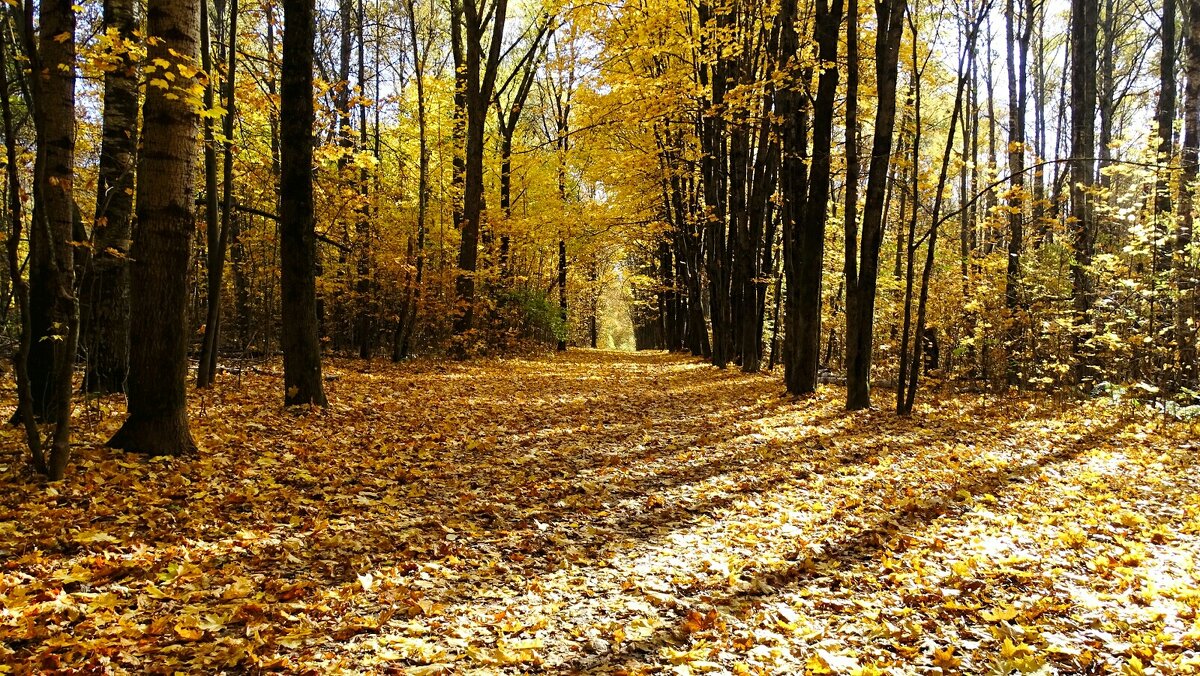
<point>607,513</point>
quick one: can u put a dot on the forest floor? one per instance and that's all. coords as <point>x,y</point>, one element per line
<point>606,512</point>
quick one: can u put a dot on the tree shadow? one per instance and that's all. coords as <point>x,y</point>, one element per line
<point>867,545</point>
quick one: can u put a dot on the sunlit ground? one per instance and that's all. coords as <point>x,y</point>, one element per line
<point>605,512</point>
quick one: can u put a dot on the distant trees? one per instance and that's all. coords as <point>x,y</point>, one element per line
<point>659,174</point>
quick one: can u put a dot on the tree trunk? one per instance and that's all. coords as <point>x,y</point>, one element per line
<point>910,363</point>
<point>808,231</point>
<point>1161,319</point>
<point>562,293</point>
<point>54,311</point>
<point>1084,18</point>
<point>364,287</point>
<point>1185,325</point>
<point>298,287</point>
<point>207,369</point>
<point>212,215</point>
<point>52,301</point>
<point>480,84</point>
<point>104,298</point>
<point>792,111</point>
<point>411,304</point>
<point>1017,56</point>
<point>157,422</point>
<point>24,415</point>
<point>861,283</point>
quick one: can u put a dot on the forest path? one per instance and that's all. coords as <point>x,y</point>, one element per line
<point>604,512</point>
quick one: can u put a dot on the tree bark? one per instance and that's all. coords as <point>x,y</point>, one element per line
<point>1017,57</point>
<point>298,287</point>
<point>157,423</point>
<point>808,230</point>
<point>862,278</point>
<point>24,415</point>
<point>1185,323</point>
<point>1163,252</point>
<point>479,84</point>
<point>104,297</point>
<point>53,310</point>
<point>1084,19</point>
<point>207,369</point>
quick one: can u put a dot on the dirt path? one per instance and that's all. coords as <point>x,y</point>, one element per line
<point>606,512</point>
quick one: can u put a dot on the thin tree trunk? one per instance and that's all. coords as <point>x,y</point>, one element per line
<point>362,224</point>
<point>910,363</point>
<point>1185,331</point>
<point>408,313</point>
<point>1084,19</point>
<point>1017,55</point>
<point>54,311</point>
<point>51,273</point>
<point>24,414</point>
<point>1161,319</point>
<point>207,369</point>
<point>212,223</point>
<point>104,296</point>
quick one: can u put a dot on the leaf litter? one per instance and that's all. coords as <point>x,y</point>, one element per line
<point>603,512</point>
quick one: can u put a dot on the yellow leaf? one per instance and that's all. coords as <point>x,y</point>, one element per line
<point>1133,667</point>
<point>944,658</point>
<point>188,632</point>
<point>1010,650</point>
<point>240,589</point>
<point>1000,613</point>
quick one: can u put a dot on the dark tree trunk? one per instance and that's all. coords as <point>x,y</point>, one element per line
<point>713,173</point>
<point>206,371</point>
<point>1017,56</point>
<point>1185,331</point>
<point>157,422</point>
<point>1084,19</point>
<point>861,283</point>
<point>24,415</point>
<point>1106,88</point>
<point>792,111</point>
<point>1040,210</point>
<point>104,297</point>
<point>910,362</point>
<point>1161,316</point>
<point>807,236</point>
<point>480,84</point>
<point>506,121</point>
<point>562,292</point>
<point>212,214</point>
<point>53,310</point>
<point>402,345</point>
<point>850,211</point>
<point>298,288</point>
<point>1165,117</point>
<point>364,259</point>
